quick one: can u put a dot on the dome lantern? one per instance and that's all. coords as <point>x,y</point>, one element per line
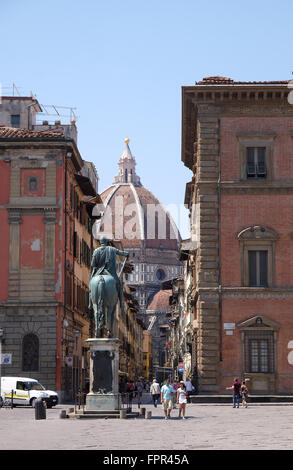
<point>127,165</point>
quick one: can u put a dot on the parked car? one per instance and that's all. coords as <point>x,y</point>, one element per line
<point>26,391</point>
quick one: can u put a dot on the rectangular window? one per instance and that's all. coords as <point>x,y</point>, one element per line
<point>258,268</point>
<point>33,183</point>
<point>259,352</point>
<point>256,162</point>
<point>15,120</point>
<point>259,356</point>
<point>20,386</point>
<point>75,244</point>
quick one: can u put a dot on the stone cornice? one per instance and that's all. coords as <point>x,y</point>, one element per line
<point>15,303</point>
<point>257,292</point>
<point>32,207</point>
<point>252,100</point>
<point>221,94</point>
<point>257,187</point>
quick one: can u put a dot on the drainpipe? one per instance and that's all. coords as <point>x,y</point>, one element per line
<point>219,240</point>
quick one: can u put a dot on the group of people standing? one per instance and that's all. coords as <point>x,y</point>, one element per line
<point>178,392</point>
<point>239,390</point>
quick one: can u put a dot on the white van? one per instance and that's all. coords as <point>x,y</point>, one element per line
<point>26,391</point>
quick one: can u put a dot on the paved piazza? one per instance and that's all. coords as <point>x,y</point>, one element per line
<point>207,427</point>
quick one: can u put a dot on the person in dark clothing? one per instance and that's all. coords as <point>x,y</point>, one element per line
<point>244,394</point>
<point>130,388</point>
<point>122,389</point>
<point>236,392</point>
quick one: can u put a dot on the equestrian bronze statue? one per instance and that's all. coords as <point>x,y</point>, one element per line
<point>105,287</point>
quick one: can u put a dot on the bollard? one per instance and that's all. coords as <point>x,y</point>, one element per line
<point>63,414</point>
<point>40,409</point>
<point>148,415</point>
<point>123,414</point>
<point>142,411</point>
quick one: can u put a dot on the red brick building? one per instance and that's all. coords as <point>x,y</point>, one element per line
<point>237,140</point>
<point>46,198</point>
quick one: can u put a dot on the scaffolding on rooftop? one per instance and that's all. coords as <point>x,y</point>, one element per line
<point>56,111</point>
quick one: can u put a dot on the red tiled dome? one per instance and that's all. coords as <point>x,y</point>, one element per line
<point>139,203</point>
<point>160,300</point>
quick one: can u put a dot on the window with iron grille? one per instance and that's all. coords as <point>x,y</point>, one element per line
<point>256,162</point>
<point>259,352</point>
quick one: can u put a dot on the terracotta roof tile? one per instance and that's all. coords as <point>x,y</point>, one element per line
<point>217,80</point>
<point>160,300</point>
<point>17,133</point>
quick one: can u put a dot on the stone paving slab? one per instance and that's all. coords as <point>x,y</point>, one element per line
<point>207,427</point>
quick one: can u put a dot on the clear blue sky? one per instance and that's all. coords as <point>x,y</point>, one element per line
<point>122,65</point>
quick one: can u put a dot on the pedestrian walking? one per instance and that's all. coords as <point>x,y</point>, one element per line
<point>139,389</point>
<point>189,388</point>
<point>155,392</point>
<point>130,391</point>
<point>175,386</point>
<point>122,389</point>
<point>244,394</point>
<point>236,392</point>
<point>167,392</point>
<point>182,399</point>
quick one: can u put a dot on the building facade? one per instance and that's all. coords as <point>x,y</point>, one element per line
<point>237,141</point>
<point>46,245</point>
<point>147,355</point>
<point>130,331</point>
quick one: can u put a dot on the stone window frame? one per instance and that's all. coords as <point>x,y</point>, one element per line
<point>256,140</point>
<point>257,327</point>
<point>257,238</point>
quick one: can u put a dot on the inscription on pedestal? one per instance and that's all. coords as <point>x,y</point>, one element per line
<point>102,371</point>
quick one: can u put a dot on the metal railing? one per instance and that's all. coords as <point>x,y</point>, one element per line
<point>125,400</point>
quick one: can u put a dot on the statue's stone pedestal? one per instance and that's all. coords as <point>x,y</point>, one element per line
<point>104,373</point>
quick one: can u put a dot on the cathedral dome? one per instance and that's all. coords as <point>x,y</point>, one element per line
<point>133,214</point>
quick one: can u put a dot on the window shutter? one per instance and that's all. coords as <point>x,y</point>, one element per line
<point>252,280</point>
<point>251,170</point>
<point>75,244</point>
<point>263,268</point>
<point>261,162</point>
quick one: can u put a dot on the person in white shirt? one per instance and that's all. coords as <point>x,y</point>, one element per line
<point>155,392</point>
<point>189,388</point>
<point>182,399</point>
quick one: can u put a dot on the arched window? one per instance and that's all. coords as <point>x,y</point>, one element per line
<point>30,353</point>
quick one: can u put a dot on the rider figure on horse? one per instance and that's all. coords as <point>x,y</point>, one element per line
<point>104,262</point>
